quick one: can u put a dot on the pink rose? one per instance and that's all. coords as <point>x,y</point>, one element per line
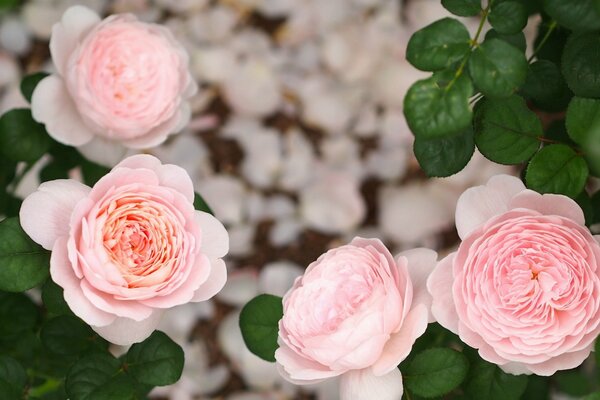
<point>118,79</point>
<point>524,285</point>
<point>128,248</point>
<point>355,313</point>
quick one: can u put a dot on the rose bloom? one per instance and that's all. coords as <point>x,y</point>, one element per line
<point>128,248</point>
<point>117,80</point>
<point>355,313</point>
<point>524,286</point>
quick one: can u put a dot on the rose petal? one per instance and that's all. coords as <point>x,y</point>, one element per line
<point>103,151</point>
<point>399,345</point>
<point>364,385</point>
<point>421,262</point>
<point>549,204</point>
<point>439,285</point>
<point>299,370</point>
<point>45,213</point>
<point>52,105</point>
<point>214,283</point>
<point>215,240</point>
<point>63,275</point>
<point>478,204</point>
<point>106,302</point>
<point>76,22</point>
<point>564,361</point>
<point>125,331</point>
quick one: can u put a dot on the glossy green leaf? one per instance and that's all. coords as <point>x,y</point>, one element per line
<point>23,263</point>
<point>545,86</point>
<point>444,156</point>
<point>22,138</point>
<point>506,131</point>
<point>435,372</point>
<point>508,17</point>
<point>580,61</point>
<point>463,8</point>
<point>259,323</point>
<point>498,69</point>
<point>557,169</point>
<point>66,335</point>
<point>488,381</point>
<point>439,45</point>
<point>99,376</point>
<point>515,39</point>
<point>433,110</point>
<point>156,361</point>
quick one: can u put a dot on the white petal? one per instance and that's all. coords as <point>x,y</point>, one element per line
<point>52,105</point>
<point>125,331</point>
<point>363,385</point>
<point>421,263</point>
<point>45,213</point>
<point>215,240</point>
<point>103,151</point>
<point>480,203</point>
<point>439,286</point>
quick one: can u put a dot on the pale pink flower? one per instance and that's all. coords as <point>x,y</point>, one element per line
<point>128,248</point>
<point>355,313</point>
<point>117,80</point>
<point>524,286</point>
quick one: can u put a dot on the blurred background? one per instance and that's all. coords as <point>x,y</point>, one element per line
<point>298,143</point>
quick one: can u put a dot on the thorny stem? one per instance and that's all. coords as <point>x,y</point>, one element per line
<point>551,28</point>
<point>474,43</point>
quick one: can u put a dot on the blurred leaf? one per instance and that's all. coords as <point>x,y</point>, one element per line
<point>574,383</point>
<point>52,296</point>
<point>575,15</point>
<point>66,335</point>
<point>439,45</point>
<point>92,172</point>
<point>53,170</point>
<point>515,39</point>
<point>259,323</point>
<point>580,61</point>
<point>508,17</point>
<point>18,314</point>
<point>498,69</point>
<point>488,381</point>
<point>435,372</point>
<point>99,377</point>
<point>583,116</point>
<point>585,202</point>
<point>23,263</point>
<point>546,87</point>
<point>506,131</point>
<point>156,361</point>
<point>445,156</point>
<point>538,388</point>
<point>557,169</point>
<point>463,8</point>
<point>12,378</point>
<point>29,83</point>
<point>201,205</point>
<point>22,138</point>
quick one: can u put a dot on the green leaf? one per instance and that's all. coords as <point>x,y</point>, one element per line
<point>557,169</point>
<point>435,372</point>
<point>506,131</point>
<point>259,323</point>
<point>508,17</point>
<point>463,8</point>
<point>18,314</point>
<point>54,301</point>
<point>157,361</point>
<point>580,61</point>
<point>488,381</point>
<point>554,44</point>
<point>575,15</point>
<point>439,45</point>
<point>498,69</point>
<point>201,205</point>
<point>9,204</point>
<point>53,170</point>
<point>538,388</point>
<point>8,4</point>
<point>445,156</point>
<point>583,117</point>
<point>99,377</point>
<point>573,383</point>
<point>546,87</point>
<point>12,378</point>
<point>585,202</point>
<point>591,396</point>
<point>92,172</point>
<point>23,263</point>
<point>66,335</point>
<point>29,83</point>
<point>515,39</point>
<point>22,138</point>
<point>433,110</point>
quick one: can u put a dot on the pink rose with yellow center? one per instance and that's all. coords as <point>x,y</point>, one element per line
<point>355,314</point>
<point>524,286</point>
<point>129,248</point>
<point>117,80</point>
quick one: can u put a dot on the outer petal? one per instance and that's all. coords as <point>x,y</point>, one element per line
<point>76,22</point>
<point>300,370</point>
<point>45,213</point>
<point>478,204</point>
<point>158,135</point>
<point>125,331</point>
<point>439,286</point>
<point>421,262</point>
<point>103,151</point>
<point>214,283</point>
<point>52,105</point>
<point>363,385</point>
<point>63,275</point>
<point>400,344</point>
<point>564,361</point>
<point>215,240</point>
<point>549,204</point>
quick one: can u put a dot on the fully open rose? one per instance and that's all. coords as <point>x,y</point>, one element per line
<point>117,80</point>
<point>524,285</point>
<point>355,313</point>
<point>128,248</point>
